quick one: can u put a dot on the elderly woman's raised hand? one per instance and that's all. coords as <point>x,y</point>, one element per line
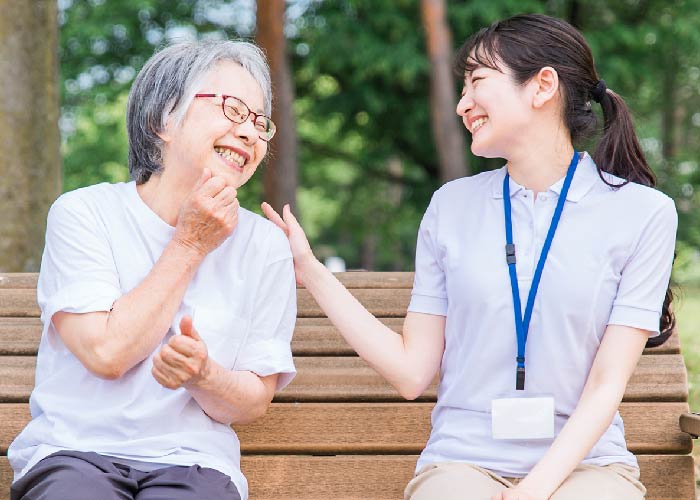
<point>208,216</point>
<point>301,250</point>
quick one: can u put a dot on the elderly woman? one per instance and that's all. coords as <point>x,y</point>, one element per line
<point>168,310</point>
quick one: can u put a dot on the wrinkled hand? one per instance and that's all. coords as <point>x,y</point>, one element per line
<point>515,494</point>
<point>208,215</point>
<point>184,360</point>
<point>301,250</point>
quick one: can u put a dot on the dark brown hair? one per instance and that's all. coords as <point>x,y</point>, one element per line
<point>525,44</point>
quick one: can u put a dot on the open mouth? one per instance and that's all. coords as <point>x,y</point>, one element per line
<point>230,156</point>
<point>478,123</point>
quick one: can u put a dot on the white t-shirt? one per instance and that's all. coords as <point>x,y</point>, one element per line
<point>609,263</point>
<point>101,242</point>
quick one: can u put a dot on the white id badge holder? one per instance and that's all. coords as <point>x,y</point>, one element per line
<point>520,415</point>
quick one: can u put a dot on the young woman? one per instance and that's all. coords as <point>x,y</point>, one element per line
<point>574,250</point>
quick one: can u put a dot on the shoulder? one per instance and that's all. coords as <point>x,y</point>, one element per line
<point>644,201</point>
<point>264,234</point>
<point>88,201</point>
<point>470,189</point>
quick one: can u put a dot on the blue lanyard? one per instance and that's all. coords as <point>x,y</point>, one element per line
<point>522,324</point>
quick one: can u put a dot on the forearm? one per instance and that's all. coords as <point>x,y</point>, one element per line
<point>229,396</point>
<point>141,318</point>
<point>584,428</point>
<point>406,367</point>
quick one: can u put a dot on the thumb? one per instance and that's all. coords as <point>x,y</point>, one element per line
<point>187,328</point>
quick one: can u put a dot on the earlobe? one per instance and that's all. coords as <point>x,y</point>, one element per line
<point>547,86</point>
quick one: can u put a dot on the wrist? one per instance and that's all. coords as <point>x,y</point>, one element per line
<point>306,265</point>
<point>189,251</point>
<point>534,489</point>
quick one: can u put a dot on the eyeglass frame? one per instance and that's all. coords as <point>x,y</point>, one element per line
<point>250,112</point>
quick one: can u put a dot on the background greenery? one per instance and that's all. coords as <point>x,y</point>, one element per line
<point>362,86</point>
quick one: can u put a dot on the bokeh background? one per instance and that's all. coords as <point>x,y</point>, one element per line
<point>365,105</point>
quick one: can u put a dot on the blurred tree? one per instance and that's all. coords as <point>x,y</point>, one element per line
<point>30,165</point>
<point>368,160</point>
<point>448,133</point>
<point>280,170</point>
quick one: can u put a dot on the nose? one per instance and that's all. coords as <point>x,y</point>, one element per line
<point>465,104</point>
<point>246,131</point>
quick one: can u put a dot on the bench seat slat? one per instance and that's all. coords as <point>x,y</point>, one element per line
<point>21,302</point>
<point>377,477</point>
<point>312,337</point>
<point>349,279</point>
<point>333,379</point>
<point>388,428</point>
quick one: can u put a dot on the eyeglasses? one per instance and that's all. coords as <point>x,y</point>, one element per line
<point>238,112</point>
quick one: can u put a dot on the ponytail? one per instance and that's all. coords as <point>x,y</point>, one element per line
<point>620,154</point>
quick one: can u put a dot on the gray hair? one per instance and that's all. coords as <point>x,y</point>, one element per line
<point>165,88</point>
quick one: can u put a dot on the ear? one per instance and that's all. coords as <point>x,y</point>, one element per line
<point>166,133</point>
<point>546,86</point>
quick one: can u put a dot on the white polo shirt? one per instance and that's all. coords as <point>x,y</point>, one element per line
<point>609,263</point>
<point>101,242</point>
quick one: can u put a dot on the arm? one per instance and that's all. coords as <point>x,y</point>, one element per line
<point>227,396</point>
<point>614,364</point>
<point>110,343</point>
<point>408,362</point>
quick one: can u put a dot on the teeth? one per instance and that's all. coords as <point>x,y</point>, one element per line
<point>229,155</point>
<point>478,123</point>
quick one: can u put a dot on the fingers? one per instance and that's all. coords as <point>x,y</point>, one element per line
<point>226,196</point>
<point>288,216</point>
<point>213,186</point>
<point>273,216</point>
<point>206,175</point>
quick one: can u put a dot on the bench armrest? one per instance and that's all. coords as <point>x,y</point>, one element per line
<point>690,423</point>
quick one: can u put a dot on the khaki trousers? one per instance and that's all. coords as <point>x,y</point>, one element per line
<point>462,481</point>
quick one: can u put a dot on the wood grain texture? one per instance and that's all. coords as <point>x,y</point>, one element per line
<point>333,379</point>
<point>387,428</point>
<point>18,280</point>
<point>383,477</point>
<point>312,337</point>
<point>353,279</point>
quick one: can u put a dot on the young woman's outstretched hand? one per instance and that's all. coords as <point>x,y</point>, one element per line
<point>301,250</point>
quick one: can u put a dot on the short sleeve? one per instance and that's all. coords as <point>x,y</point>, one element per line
<point>268,349</point>
<point>78,273</point>
<point>645,277</point>
<point>429,293</point>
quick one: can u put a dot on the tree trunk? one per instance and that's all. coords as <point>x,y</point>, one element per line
<point>448,133</point>
<point>280,171</point>
<point>30,162</point>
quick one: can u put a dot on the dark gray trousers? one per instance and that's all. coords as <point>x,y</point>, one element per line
<point>74,475</point>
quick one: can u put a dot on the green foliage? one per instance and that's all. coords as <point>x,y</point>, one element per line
<point>367,157</point>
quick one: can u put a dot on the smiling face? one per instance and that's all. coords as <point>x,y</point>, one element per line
<point>496,110</point>
<point>205,138</point>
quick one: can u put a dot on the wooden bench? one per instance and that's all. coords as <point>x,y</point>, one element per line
<point>339,431</point>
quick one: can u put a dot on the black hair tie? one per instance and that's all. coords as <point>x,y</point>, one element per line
<point>598,92</point>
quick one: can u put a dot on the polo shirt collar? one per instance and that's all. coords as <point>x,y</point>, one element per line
<point>585,178</point>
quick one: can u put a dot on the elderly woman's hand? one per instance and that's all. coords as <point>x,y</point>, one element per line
<point>208,216</point>
<point>183,360</point>
<point>301,250</point>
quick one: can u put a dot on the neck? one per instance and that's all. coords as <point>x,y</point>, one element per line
<point>164,195</point>
<point>536,167</point>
